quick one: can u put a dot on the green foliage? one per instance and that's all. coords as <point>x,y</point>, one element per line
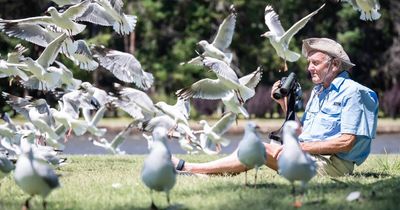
<point>167,32</point>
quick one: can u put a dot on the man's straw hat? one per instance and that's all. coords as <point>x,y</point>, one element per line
<point>328,46</point>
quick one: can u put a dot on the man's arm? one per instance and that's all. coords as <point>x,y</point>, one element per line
<point>343,143</point>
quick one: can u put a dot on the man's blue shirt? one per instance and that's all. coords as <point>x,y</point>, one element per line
<point>344,107</point>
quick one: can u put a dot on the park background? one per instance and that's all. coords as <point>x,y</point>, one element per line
<point>165,35</point>
<point>167,32</point>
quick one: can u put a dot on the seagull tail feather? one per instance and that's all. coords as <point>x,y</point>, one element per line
<point>375,14</point>
<point>291,56</point>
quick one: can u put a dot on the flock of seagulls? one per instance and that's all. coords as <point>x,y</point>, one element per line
<point>38,141</point>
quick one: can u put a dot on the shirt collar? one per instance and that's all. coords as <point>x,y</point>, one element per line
<point>338,81</point>
<point>335,84</point>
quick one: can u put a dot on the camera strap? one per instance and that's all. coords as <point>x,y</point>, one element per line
<point>290,115</point>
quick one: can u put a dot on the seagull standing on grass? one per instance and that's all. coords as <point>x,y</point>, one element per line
<point>34,176</point>
<point>279,38</point>
<point>251,151</point>
<point>158,172</point>
<point>293,163</point>
<point>222,41</point>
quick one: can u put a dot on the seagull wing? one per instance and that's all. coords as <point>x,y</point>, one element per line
<point>298,25</point>
<point>124,66</point>
<point>96,14</point>
<point>29,32</point>
<point>62,3</point>
<point>223,125</point>
<point>205,89</point>
<point>272,21</point>
<point>118,139</point>
<point>220,68</point>
<point>42,20</point>
<point>76,10</point>
<point>251,80</point>
<point>140,98</point>
<point>18,104</point>
<point>50,53</point>
<point>225,32</point>
<point>117,5</point>
<point>183,105</point>
<point>83,56</point>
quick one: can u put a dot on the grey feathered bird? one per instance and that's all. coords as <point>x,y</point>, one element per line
<point>34,176</point>
<point>293,163</point>
<point>158,172</point>
<point>251,151</point>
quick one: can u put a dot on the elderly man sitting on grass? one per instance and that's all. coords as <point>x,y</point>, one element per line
<point>338,124</point>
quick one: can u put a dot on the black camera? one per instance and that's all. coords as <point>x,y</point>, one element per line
<point>287,84</point>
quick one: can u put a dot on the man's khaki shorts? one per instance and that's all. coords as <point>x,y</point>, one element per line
<point>331,165</point>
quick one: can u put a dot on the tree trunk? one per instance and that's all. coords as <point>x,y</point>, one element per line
<point>392,65</point>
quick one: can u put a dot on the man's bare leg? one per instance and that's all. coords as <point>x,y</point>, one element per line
<point>229,164</point>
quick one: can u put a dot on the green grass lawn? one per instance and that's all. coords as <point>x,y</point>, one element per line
<point>87,183</point>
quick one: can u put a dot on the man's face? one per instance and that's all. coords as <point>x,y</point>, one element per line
<point>318,66</point>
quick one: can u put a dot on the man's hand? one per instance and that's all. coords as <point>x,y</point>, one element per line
<point>275,150</point>
<point>283,101</point>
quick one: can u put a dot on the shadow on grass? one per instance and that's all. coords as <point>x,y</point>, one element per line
<point>371,175</point>
<point>173,206</point>
<point>381,193</point>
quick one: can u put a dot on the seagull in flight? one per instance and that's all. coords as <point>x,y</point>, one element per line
<point>222,40</point>
<point>124,66</point>
<point>368,8</point>
<point>213,134</point>
<point>109,13</point>
<point>232,103</point>
<point>213,89</point>
<point>64,21</point>
<point>280,38</point>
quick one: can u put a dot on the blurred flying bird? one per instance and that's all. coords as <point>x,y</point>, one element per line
<point>213,89</point>
<point>124,66</point>
<point>109,13</point>
<point>368,8</point>
<point>213,134</point>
